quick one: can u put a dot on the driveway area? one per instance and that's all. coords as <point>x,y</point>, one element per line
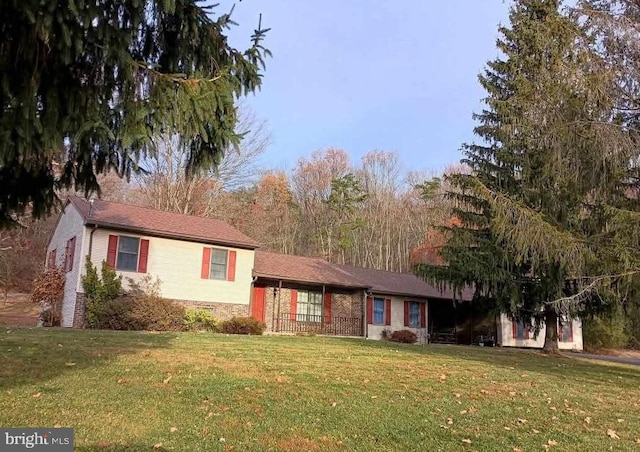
<point>610,358</point>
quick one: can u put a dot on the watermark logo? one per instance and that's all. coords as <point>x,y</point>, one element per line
<point>36,439</point>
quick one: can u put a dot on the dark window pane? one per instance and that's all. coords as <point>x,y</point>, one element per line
<point>378,311</point>
<point>127,253</point>
<point>218,264</point>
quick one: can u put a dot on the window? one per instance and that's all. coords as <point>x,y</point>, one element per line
<point>309,308</point>
<point>69,254</point>
<point>565,330</point>
<point>378,311</point>
<point>414,314</point>
<point>520,330</point>
<point>128,253</point>
<point>218,264</point>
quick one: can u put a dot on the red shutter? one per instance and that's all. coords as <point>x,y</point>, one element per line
<point>294,305</point>
<point>406,312</point>
<point>526,332</point>
<point>369,309</point>
<point>423,315</point>
<point>66,257</point>
<point>387,311</point>
<point>72,253</point>
<point>231,266</point>
<point>327,308</point>
<point>514,328</point>
<point>143,256</point>
<point>206,263</point>
<point>112,251</point>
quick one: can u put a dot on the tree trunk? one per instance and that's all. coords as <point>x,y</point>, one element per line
<point>551,330</point>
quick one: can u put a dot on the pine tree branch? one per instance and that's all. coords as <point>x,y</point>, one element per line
<point>572,302</point>
<point>178,78</point>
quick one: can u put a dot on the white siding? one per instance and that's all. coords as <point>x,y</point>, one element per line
<point>178,264</point>
<point>70,224</point>
<point>505,336</point>
<point>397,319</point>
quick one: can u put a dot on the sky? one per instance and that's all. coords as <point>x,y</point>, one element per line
<point>364,75</point>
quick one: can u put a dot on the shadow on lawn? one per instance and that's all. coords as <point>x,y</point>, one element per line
<point>30,355</point>
<point>532,361</point>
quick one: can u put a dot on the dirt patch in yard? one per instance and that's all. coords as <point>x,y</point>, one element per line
<point>18,310</point>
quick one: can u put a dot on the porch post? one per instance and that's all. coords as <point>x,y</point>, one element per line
<point>323,311</point>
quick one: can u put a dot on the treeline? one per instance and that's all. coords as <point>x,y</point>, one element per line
<point>372,213</point>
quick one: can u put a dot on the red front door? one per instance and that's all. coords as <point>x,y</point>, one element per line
<point>257,308</point>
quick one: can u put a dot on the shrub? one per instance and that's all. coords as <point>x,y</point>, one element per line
<point>385,334</point>
<point>99,291</point>
<point>48,290</point>
<point>404,336</point>
<point>199,320</point>
<point>607,331</point>
<point>242,325</point>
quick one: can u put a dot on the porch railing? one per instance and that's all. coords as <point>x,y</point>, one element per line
<point>337,326</point>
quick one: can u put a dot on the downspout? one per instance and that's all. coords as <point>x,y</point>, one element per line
<point>95,226</point>
<point>251,300</point>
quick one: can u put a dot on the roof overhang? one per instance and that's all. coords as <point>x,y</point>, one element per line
<point>288,279</point>
<point>168,235</point>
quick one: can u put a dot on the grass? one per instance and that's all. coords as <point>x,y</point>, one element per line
<point>203,392</point>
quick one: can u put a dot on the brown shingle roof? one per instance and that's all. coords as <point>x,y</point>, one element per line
<point>319,271</point>
<point>403,284</point>
<point>159,223</point>
<point>302,269</point>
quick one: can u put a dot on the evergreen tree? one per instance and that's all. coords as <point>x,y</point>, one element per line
<point>86,84</point>
<point>533,212</point>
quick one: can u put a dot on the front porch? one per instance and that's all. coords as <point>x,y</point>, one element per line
<point>296,309</point>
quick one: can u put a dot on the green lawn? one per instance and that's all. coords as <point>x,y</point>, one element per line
<point>190,392</point>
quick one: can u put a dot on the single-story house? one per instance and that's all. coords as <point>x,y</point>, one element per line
<point>304,294</point>
<point>207,263</point>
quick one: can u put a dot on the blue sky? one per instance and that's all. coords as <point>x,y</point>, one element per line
<point>365,75</point>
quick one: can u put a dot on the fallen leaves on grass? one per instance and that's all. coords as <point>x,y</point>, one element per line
<point>157,446</point>
<point>449,421</point>
<point>612,434</point>
<point>167,380</point>
<point>587,420</point>
<point>173,429</point>
<point>466,441</point>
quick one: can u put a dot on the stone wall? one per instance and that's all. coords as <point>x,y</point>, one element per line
<point>79,311</point>
<point>221,311</point>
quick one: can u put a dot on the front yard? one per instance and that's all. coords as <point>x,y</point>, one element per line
<point>202,392</point>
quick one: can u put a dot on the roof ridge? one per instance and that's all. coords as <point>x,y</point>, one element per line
<point>139,206</point>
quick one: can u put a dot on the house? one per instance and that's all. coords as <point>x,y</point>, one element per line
<point>294,294</point>
<point>517,334</point>
<point>207,263</point>
<point>199,261</point>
